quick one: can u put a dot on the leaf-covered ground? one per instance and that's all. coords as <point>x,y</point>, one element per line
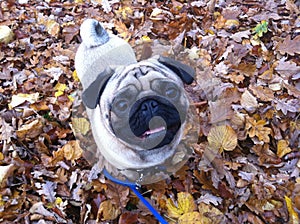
<point>245,168</point>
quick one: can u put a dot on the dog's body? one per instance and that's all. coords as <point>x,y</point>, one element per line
<point>138,110</point>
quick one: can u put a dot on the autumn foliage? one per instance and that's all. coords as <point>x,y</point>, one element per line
<point>245,167</point>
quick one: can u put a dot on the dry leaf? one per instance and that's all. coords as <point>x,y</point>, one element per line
<point>294,217</point>
<point>53,27</point>
<point>248,101</point>
<point>263,93</point>
<point>283,148</point>
<point>107,211</point>
<point>72,150</point>
<point>48,189</point>
<point>289,46</point>
<point>21,98</point>
<point>191,218</point>
<point>222,138</point>
<point>80,125</point>
<point>258,129</point>
<point>210,214</point>
<point>6,34</point>
<point>185,204</point>
<point>30,130</point>
<point>5,171</point>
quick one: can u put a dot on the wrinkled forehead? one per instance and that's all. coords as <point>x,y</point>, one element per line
<point>141,75</point>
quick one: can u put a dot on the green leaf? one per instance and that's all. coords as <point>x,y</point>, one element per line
<point>261,28</point>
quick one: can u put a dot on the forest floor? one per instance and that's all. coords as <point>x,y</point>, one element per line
<point>246,93</point>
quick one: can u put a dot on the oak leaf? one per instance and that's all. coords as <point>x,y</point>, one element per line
<point>222,138</point>
<point>290,46</point>
<point>258,129</point>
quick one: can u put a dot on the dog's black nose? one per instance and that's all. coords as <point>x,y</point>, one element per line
<point>149,106</point>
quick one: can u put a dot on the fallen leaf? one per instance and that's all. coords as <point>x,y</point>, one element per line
<point>30,130</point>
<point>221,138</point>
<point>258,129</point>
<point>5,171</point>
<point>53,27</point>
<point>107,211</point>
<point>48,189</point>
<point>289,46</point>
<point>21,98</point>
<point>283,148</point>
<point>185,204</point>
<point>80,125</point>
<point>6,34</point>
<point>263,93</point>
<point>72,150</point>
<point>248,101</point>
<point>210,214</point>
<point>191,218</point>
<point>293,215</point>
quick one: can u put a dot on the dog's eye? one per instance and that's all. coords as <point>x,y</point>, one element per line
<point>172,92</point>
<point>121,105</point>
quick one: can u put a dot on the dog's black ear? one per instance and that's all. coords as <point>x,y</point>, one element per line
<point>91,95</point>
<point>185,72</point>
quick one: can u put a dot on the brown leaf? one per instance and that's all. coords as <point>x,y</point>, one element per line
<point>289,46</point>
<point>31,129</point>
<point>263,93</point>
<point>107,211</point>
<point>128,218</point>
<point>72,150</point>
<point>258,129</point>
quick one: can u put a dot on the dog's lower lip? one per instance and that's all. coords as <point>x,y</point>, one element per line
<point>153,131</point>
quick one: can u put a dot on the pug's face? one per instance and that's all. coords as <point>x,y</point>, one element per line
<point>147,109</point>
<point>139,113</point>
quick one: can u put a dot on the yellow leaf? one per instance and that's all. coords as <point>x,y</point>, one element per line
<point>58,93</point>
<point>72,150</point>
<point>283,148</point>
<point>293,215</point>
<point>53,27</point>
<point>107,211</point>
<point>190,218</point>
<point>60,87</point>
<point>209,214</point>
<point>75,76</point>
<point>80,125</point>
<point>58,201</point>
<point>185,204</point>
<point>222,138</point>
<point>146,39</point>
<point>20,98</point>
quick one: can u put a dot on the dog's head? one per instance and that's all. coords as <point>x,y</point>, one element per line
<point>144,105</point>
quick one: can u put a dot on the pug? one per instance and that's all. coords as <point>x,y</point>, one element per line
<point>139,111</point>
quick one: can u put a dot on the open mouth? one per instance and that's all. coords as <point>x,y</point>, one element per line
<point>149,132</point>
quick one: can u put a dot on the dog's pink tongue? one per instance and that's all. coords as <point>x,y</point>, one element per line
<point>153,131</point>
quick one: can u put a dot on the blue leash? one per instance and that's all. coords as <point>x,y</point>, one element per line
<point>134,187</point>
